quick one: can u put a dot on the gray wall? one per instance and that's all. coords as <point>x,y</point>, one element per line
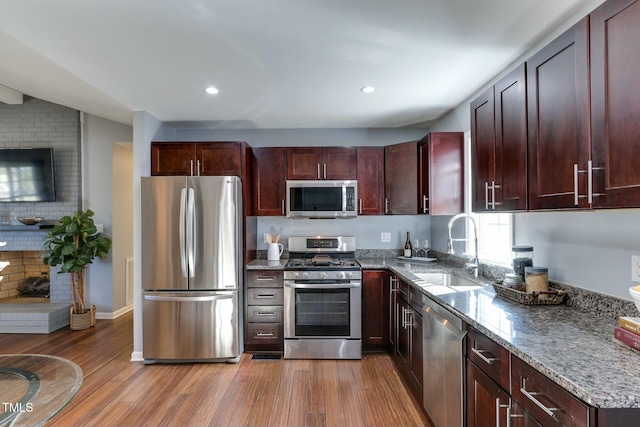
<point>100,135</point>
<point>590,249</point>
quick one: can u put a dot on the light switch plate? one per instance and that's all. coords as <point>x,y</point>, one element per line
<point>635,268</point>
<point>385,237</point>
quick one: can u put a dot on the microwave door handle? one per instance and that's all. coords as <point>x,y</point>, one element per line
<point>344,198</point>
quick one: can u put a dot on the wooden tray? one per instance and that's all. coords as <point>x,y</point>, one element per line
<point>518,294</point>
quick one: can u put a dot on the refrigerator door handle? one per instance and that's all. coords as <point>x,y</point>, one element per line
<point>181,228</point>
<point>187,298</point>
<point>191,233</point>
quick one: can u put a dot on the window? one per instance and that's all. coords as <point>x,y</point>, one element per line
<point>495,230</point>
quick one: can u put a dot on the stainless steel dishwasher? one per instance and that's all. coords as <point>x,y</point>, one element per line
<point>443,356</point>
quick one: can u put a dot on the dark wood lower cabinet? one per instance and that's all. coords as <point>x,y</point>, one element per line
<point>487,402</point>
<point>375,310</point>
<point>408,346</point>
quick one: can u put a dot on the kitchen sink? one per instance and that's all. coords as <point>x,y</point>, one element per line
<point>445,283</point>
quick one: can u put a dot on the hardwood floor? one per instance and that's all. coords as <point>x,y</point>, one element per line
<point>117,392</point>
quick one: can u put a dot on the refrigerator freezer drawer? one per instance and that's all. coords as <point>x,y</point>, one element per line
<point>190,326</point>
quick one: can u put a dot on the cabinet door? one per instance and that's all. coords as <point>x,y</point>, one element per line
<point>375,309</point>
<point>173,159</point>
<point>615,31</point>
<point>487,403</point>
<point>510,192</point>
<point>558,121</point>
<point>416,350</point>
<point>483,140</point>
<point>219,158</point>
<point>403,345</point>
<point>446,169</point>
<point>393,312</point>
<point>423,173</point>
<point>338,163</point>
<point>370,167</point>
<point>304,163</point>
<point>269,170</point>
<point>401,178</point>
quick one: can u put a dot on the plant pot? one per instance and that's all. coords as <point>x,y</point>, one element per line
<point>80,321</point>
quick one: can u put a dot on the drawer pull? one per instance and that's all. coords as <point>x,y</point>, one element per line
<point>266,313</point>
<point>530,395</point>
<point>265,279</point>
<point>265,296</point>
<point>487,360</point>
<point>265,334</point>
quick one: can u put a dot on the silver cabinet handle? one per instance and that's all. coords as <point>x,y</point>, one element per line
<point>318,171</point>
<point>265,279</point>
<point>282,206</point>
<point>324,173</point>
<point>266,313</point>
<point>493,195</point>
<point>575,184</point>
<point>478,353</point>
<point>425,207</point>
<point>386,205</point>
<point>500,406</point>
<point>360,208</point>
<point>486,195</point>
<point>191,167</point>
<point>530,395</point>
<point>265,334</point>
<point>265,296</point>
<point>198,167</point>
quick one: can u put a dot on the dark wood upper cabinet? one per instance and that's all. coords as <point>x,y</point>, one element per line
<point>173,159</point>
<point>370,166</point>
<point>558,121</point>
<point>499,145</point>
<point>401,178</point>
<point>269,170</point>
<point>197,158</point>
<point>423,173</point>
<point>615,109</point>
<point>483,142</point>
<point>443,173</point>
<point>321,163</point>
<point>219,158</point>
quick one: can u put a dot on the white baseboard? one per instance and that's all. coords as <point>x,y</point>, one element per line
<point>136,356</point>
<point>115,314</point>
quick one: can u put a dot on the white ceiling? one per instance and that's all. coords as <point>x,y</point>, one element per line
<point>277,63</point>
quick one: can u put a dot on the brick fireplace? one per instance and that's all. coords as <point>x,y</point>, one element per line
<point>20,258</point>
<point>16,267</point>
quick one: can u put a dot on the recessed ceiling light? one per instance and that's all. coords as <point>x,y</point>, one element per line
<point>367,89</point>
<point>212,90</point>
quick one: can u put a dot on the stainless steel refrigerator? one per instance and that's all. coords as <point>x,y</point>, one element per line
<point>191,268</point>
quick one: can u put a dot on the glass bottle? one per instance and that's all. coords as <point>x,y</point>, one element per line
<point>408,248</point>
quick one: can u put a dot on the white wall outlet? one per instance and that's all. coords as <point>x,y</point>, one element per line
<point>100,228</point>
<point>635,268</point>
<point>264,238</point>
<point>385,237</point>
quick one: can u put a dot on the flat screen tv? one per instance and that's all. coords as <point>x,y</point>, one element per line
<point>26,175</point>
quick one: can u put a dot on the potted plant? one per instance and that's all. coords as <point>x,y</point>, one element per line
<point>73,244</point>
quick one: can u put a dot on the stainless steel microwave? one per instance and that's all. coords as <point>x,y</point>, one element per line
<point>322,199</point>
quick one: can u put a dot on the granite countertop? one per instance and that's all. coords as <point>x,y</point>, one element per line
<point>573,348</point>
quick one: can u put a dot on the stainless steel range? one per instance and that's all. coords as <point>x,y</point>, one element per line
<point>322,299</point>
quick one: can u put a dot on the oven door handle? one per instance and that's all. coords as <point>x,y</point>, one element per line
<point>321,286</point>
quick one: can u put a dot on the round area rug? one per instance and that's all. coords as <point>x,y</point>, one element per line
<point>34,387</point>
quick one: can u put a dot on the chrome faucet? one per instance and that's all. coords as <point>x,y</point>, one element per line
<point>475,265</point>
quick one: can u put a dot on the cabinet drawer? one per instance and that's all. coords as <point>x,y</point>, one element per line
<point>403,290</point>
<point>265,296</point>
<point>264,313</point>
<point>265,333</point>
<point>489,356</point>
<point>549,403</point>
<point>264,278</point>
